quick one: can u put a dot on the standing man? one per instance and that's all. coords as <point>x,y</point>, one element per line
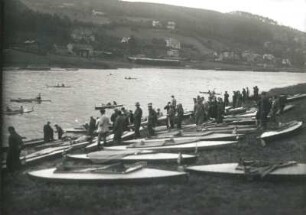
<point>137,119</point>
<point>103,128</point>
<point>15,145</point>
<point>167,108</point>
<point>173,102</point>
<point>119,126</point>
<point>92,126</point>
<point>171,116</point>
<point>226,96</point>
<point>264,107</point>
<point>180,115</point>
<point>59,131</point>
<point>152,119</point>
<point>48,133</point>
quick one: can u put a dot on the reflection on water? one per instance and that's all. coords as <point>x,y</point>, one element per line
<point>73,106</point>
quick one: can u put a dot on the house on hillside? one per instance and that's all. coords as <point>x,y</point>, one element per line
<point>174,53</point>
<point>173,43</point>
<point>250,57</point>
<point>286,62</point>
<point>228,56</point>
<point>171,25</point>
<point>97,13</point>
<point>83,34</point>
<point>173,47</point>
<point>82,50</point>
<point>268,57</point>
<point>156,24</point>
<point>125,39</point>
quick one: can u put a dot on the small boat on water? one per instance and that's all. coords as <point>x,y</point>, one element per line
<point>130,78</point>
<point>58,86</point>
<point>107,106</point>
<point>18,111</point>
<point>30,100</point>
<point>287,170</point>
<point>296,97</point>
<point>194,146</point>
<point>108,174</point>
<point>129,156</point>
<point>283,130</point>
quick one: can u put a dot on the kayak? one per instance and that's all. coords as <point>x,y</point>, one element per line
<point>80,130</point>
<point>30,100</point>
<point>236,110</point>
<point>129,158</point>
<point>17,112</point>
<point>296,97</point>
<point>201,145</point>
<point>283,130</point>
<point>293,170</point>
<point>159,142</point>
<point>203,135</point>
<point>103,106</point>
<point>92,175</point>
<point>50,153</point>
<point>57,86</point>
<point>109,139</point>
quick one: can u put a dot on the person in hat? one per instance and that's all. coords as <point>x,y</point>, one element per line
<point>137,119</point>
<point>103,128</point>
<point>92,126</point>
<point>48,133</point>
<point>180,115</point>
<point>173,102</point>
<point>15,145</point>
<point>59,131</point>
<point>152,119</point>
<point>119,127</point>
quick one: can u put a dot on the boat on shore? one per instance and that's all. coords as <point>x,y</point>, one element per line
<point>296,97</point>
<point>130,156</point>
<point>283,130</point>
<point>288,170</point>
<point>108,174</point>
<point>194,146</point>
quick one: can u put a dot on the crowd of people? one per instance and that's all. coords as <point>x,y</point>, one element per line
<point>123,120</point>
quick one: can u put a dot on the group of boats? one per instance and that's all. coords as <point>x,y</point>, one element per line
<point>129,161</point>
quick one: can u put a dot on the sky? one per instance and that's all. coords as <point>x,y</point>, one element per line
<point>286,12</point>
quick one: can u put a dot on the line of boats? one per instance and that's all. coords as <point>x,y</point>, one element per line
<point>116,164</point>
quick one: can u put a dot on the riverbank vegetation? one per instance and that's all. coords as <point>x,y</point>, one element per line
<point>111,30</point>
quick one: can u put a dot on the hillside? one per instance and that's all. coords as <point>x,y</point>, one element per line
<point>238,37</point>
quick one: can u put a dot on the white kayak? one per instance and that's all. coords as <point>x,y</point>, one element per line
<point>283,130</point>
<point>297,170</point>
<point>296,97</point>
<point>148,157</point>
<point>109,139</point>
<point>201,145</point>
<point>139,176</point>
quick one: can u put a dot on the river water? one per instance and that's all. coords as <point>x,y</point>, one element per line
<point>71,107</point>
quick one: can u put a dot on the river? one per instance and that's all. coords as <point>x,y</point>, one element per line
<point>71,107</point>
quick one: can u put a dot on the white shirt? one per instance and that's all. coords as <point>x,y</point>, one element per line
<point>103,124</point>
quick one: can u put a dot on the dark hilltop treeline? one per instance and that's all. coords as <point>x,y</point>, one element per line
<point>48,26</point>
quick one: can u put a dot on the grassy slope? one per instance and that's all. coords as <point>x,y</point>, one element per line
<point>200,195</point>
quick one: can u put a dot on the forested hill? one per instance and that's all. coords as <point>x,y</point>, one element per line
<point>200,32</point>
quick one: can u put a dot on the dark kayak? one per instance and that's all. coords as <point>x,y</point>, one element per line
<point>30,100</point>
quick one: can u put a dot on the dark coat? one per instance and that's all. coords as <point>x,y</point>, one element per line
<point>13,155</point>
